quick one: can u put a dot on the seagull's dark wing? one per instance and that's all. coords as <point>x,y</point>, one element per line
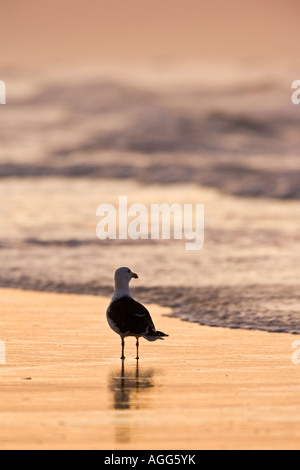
<point>131,316</point>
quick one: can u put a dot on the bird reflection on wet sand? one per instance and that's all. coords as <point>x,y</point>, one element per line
<point>127,385</point>
<point>128,389</point>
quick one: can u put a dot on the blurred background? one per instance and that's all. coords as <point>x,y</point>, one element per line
<point>171,101</point>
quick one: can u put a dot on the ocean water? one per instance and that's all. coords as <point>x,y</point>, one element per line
<point>70,142</point>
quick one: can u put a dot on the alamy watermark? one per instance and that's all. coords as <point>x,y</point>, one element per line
<point>160,221</point>
<point>2,92</point>
<point>296,353</point>
<point>296,94</point>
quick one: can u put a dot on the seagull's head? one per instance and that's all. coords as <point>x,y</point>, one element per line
<point>124,276</point>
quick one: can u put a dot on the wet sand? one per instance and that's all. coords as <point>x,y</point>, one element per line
<point>64,387</point>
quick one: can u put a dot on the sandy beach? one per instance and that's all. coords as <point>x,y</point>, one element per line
<point>63,386</point>
<point>176,103</point>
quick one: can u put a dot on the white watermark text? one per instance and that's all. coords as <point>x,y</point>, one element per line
<point>2,92</point>
<point>160,221</point>
<point>296,94</point>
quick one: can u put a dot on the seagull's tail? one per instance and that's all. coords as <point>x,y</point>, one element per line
<point>160,333</point>
<point>156,335</point>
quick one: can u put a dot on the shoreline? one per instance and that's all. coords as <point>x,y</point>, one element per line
<point>243,277</point>
<point>153,295</point>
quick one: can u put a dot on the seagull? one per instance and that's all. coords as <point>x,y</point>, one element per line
<point>126,317</point>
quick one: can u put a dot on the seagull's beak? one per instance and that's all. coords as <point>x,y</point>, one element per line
<point>135,276</point>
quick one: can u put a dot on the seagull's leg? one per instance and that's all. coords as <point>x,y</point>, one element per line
<point>123,346</point>
<point>137,376</point>
<point>137,348</point>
